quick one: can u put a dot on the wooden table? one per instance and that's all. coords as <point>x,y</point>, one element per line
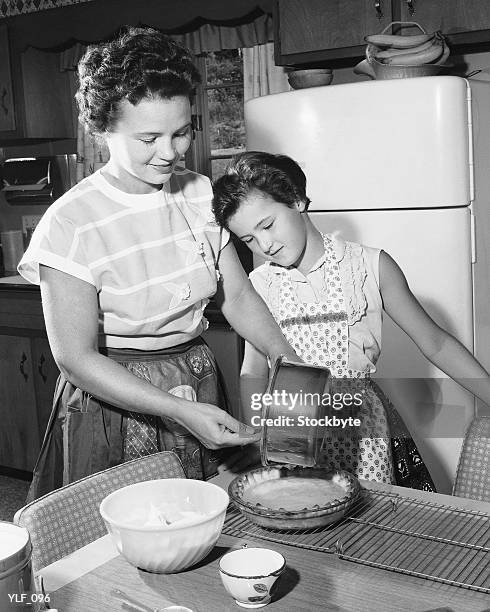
<point>313,581</point>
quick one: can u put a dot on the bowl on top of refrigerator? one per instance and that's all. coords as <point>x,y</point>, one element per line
<point>310,77</point>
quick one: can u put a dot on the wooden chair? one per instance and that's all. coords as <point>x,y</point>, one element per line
<point>68,518</point>
<point>473,473</point>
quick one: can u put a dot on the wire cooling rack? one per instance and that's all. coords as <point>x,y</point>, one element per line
<point>399,534</point>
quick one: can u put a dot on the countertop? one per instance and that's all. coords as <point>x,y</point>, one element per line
<point>9,281</point>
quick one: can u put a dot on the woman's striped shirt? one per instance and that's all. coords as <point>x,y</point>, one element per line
<point>152,258</point>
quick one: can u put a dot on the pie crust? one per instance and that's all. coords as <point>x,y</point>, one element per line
<point>286,497</point>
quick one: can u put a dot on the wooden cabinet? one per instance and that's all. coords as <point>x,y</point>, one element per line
<point>315,31</point>
<point>461,22</point>
<point>19,433</point>
<point>28,376</point>
<point>40,102</point>
<point>7,114</point>
<point>45,376</point>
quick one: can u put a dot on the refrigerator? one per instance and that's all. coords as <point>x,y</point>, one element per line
<point>403,165</point>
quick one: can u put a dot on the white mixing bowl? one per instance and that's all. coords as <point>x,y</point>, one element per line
<point>165,548</point>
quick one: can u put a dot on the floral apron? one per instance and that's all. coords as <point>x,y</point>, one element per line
<point>86,435</point>
<point>380,448</point>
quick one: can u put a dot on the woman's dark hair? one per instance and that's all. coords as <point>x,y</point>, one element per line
<point>139,63</point>
<point>278,176</point>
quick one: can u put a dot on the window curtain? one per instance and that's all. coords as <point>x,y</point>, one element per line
<point>92,152</point>
<point>261,76</point>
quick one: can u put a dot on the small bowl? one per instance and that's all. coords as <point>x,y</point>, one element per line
<point>249,574</point>
<point>165,548</point>
<point>310,77</point>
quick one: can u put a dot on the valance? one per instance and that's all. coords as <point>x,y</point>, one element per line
<point>87,22</point>
<point>206,38</point>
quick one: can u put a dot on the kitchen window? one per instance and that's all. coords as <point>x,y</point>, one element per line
<point>218,112</point>
<point>219,125</point>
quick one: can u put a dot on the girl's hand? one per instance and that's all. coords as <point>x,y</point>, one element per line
<point>214,427</point>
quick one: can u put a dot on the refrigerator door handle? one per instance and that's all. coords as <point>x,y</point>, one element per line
<point>472,237</point>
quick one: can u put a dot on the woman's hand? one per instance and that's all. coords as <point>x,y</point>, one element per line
<point>241,460</point>
<point>214,427</point>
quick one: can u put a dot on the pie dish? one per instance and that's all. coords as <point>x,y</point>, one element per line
<point>292,497</point>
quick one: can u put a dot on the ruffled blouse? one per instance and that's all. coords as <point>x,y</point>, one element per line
<point>359,271</point>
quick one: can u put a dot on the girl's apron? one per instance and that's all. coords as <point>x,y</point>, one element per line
<point>381,448</point>
<point>86,435</point>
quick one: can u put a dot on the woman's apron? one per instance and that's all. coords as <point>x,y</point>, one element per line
<point>381,448</point>
<point>86,435</point>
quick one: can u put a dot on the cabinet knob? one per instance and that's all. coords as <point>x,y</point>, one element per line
<point>379,9</point>
<point>42,361</point>
<point>410,7</point>
<point>23,359</point>
<point>3,99</point>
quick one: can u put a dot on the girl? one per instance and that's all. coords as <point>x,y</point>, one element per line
<point>127,261</point>
<point>328,296</point>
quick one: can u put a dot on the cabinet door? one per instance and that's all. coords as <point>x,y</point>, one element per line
<point>7,117</point>
<point>452,17</point>
<point>19,431</point>
<point>43,105</point>
<point>326,30</point>
<point>49,106</point>
<point>45,376</point>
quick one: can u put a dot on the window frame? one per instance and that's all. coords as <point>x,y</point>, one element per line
<point>200,157</point>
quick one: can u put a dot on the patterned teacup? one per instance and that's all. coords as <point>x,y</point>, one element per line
<point>248,574</point>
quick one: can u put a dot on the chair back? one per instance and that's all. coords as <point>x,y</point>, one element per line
<point>68,518</point>
<point>473,473</point>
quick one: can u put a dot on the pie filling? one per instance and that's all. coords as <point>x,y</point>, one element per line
<point>294,493</point>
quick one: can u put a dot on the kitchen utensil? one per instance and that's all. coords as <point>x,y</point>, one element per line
<point>315,497</point>
<point>291,410</point>
<point>249,574</point>
<point>385,71</point>
<point>16,580</point>
<point>133,605</point>
<point>159,547</point>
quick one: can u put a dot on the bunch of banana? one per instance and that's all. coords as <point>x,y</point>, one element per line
<point>415,50</point>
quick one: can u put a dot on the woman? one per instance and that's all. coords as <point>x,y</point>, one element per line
<point>127,261</point>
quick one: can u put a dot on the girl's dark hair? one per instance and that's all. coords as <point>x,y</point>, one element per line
<point>139,63</point>
<point>278,176</point>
